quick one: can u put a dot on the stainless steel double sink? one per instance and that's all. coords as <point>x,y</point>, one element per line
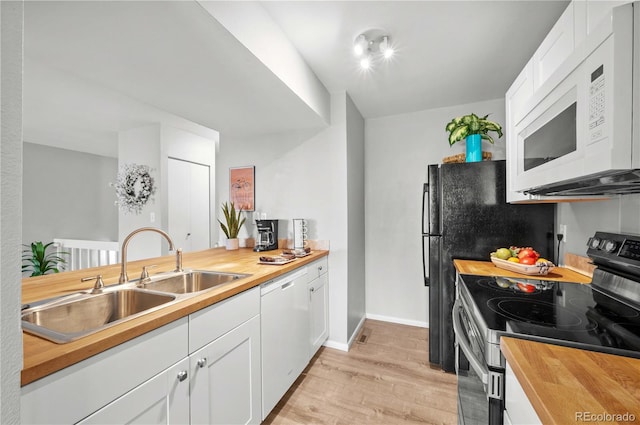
<point>67,318</point>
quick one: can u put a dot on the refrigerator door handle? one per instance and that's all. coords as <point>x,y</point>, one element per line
<point>433,207</point>
<point>425,260</point>
<point>425,208</point>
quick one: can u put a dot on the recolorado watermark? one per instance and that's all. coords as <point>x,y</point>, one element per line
<point>605,417</point>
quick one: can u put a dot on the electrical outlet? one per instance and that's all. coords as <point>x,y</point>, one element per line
<point>563,232</point>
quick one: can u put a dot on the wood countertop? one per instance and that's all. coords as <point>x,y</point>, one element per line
<point>42,357</point>
<point>563,383</point>
<point>487,268</point>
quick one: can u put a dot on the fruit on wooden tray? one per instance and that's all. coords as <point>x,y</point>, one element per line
<point>523,255</point>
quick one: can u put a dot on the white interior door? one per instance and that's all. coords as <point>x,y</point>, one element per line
<point>188,210</point>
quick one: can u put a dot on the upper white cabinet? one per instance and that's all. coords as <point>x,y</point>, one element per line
<point>555,48</point>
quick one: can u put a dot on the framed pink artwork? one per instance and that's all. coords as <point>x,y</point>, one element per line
<point>242,187</point>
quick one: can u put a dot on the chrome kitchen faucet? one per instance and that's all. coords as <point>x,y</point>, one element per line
<point>123,266</point>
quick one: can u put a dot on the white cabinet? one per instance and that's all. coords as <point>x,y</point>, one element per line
<point>224,347</point>
<point>225,378</point>
<point>318,305</point>
<point>163,399</point>
<point>555,48</point>
<point>200,369</point>
<point>518,408</point>
<point>284,311</point>
<point>78,391</point>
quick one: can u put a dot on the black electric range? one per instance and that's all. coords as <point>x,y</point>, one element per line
<point>601,316</point>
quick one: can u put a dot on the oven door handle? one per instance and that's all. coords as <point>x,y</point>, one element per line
<point>465,346</point>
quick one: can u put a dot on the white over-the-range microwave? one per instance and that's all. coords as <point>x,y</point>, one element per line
<point>580,134</point>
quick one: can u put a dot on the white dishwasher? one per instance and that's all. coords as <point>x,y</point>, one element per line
<point>284,311</point>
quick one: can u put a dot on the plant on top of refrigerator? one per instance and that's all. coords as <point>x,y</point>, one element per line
<point>461,127</point>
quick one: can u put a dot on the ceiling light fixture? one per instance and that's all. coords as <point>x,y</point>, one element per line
<point>371,44</point>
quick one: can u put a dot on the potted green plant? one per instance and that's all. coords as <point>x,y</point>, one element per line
<point>38,261</point>
<point>232,224</point>
<point>474,129</point>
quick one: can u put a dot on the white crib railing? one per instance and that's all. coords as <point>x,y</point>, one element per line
<point>84,254</point>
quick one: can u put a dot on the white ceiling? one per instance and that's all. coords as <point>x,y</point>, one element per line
<point>94,68</point>
<point>448,52</point>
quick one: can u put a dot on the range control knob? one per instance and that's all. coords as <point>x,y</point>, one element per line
<point>610,246</point>
<point>594,243</point>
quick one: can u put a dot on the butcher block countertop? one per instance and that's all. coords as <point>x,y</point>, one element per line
<point>42,357</point>
<point>563,383</point>
<point>487,268</point>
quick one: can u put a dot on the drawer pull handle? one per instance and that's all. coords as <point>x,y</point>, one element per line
<point>182,375</point>
<point>202,362</point>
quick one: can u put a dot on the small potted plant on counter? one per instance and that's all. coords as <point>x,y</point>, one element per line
<point>474,129</point>
<point>232,226</point>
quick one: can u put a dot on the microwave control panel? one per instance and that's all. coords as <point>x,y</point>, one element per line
<point>597,105</point>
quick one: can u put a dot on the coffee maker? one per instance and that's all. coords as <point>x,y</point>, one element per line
<point>267,239</point>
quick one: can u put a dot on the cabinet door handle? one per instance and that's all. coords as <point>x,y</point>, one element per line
<point>202,362</point>
<point>182,375</point>
<point>312,289</point>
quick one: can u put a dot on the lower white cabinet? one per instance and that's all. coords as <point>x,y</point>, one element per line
<point>518,408</point>
<point>318,312</point>
<point>229,363</point>
<point>78,391</point>
<point>225,378</point>
<point>164,399</point>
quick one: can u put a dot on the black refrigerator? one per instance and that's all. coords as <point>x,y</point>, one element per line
<point>465,216</point>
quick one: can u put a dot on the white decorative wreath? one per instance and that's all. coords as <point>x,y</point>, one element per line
<point>134,187</point>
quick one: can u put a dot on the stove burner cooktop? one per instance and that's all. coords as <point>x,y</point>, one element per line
<point>568,313</point>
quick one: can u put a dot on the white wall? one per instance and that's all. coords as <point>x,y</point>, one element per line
<point>302,176</point>
<point>355,217</point>
<point>11,27</point>
<point>398,149</point>
<point>583,219</point>
<point>141,146</point>
<point>66,194</point>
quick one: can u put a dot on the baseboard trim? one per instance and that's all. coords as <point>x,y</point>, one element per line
<point>337,345</point>
<point>342,346</point>
<point>345,347</point>
<point>398,320</point>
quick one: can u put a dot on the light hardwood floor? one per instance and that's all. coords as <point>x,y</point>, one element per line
<point>385,380</point>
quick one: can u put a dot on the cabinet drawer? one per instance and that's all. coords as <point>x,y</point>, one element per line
<point>318,268</point>
<point>215,321</point>
<point>75,392</point>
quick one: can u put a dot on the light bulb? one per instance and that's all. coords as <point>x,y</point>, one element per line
<point>385,47</point>
<point>365,62</point>
<point>360,45</point>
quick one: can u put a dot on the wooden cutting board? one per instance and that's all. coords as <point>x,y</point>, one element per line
<point>579,264</point>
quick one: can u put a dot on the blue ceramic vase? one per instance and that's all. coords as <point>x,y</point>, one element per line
<point>474,148</point>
